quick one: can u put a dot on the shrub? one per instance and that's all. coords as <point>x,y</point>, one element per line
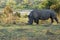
<point>7,10</point>
<point>25,16</point>
<point>17,14</point>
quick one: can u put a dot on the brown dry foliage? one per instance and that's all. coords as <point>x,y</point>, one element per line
<point>7,10</point>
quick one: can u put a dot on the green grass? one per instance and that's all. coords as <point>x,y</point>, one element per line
<point>29,32</point>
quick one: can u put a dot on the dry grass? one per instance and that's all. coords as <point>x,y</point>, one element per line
<point>29,32</point>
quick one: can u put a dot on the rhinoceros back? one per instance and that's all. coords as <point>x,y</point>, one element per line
<point>42,14</point>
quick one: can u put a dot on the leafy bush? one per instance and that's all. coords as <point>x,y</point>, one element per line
<point>17,14</point>
<point>55,7</point>
<point>8,10</point>
<point>25,16</point>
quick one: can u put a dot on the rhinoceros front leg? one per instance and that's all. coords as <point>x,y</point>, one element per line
<point>36,21</point>
<point>52,20</point>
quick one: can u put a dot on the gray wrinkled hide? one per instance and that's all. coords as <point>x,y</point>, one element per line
<point>37,15</point>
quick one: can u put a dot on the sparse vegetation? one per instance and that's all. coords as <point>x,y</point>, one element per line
<point>33,32</point>
<point>13,26</point>
<point>25,16</point>
<point>17,14</point>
